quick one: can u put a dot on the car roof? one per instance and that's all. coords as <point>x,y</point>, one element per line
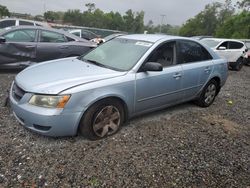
<point>26,20</point>
<point>222,40</point>
<point>47,29</point>
<point>152,37</point>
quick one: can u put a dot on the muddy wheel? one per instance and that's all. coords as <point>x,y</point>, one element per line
<point>103,119</point>
<point>208,94</point>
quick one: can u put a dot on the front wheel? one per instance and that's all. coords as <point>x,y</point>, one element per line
<point>208,94</point>
<point>102,119</point>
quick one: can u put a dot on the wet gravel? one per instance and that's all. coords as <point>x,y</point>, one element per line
<point>182,146</point>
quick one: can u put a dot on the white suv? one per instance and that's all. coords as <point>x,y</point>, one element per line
<point>10,22</point>
<point>233,51</point>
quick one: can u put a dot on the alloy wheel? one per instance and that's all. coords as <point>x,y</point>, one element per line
<point>210,93</point>
<point>107,121</point>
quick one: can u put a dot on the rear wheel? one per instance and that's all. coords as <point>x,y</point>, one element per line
<point>239,64</point>
<point>208,94</point>
<point>102,119</point>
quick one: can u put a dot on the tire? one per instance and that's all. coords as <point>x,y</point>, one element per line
<point>239,64</point>
<point>208,94</point>
<point>96,123</point>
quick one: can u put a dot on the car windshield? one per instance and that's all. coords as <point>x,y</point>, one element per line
<point>210,42</point>
<point>118,54</point>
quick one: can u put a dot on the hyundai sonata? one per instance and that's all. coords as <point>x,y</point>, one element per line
<point>130,75</point>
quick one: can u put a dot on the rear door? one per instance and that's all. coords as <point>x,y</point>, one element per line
<point>20,46</point>
<point>236,50</point>
<point>196,65</point>
<point>224,53</point>
<point>52,45</point>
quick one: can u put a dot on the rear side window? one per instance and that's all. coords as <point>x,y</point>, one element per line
<point>235,45</point>
<point>189,51</point>
<point>24,35</point>
<point>48,36</point>
<point>25,23</point>
<point>7,23</point>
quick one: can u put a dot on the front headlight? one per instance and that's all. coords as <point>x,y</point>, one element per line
<point>49,101</point>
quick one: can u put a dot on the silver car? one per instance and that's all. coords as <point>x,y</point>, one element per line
<point>130,75</point>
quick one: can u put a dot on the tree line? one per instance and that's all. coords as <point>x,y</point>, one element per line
<point>220,20</point>
<point>132,22</point>
<point>217,19</point>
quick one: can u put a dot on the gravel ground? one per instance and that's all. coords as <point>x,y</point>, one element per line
<point>182,146</point>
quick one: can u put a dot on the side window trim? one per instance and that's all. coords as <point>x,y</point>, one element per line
<point>40,34</point>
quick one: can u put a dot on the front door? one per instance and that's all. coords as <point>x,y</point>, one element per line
<point>158,89</point>
<point>20,47</point>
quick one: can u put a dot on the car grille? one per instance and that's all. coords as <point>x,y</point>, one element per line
<point>17,92</point>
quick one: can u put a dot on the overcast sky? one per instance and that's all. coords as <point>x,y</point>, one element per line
<point>176,11</point>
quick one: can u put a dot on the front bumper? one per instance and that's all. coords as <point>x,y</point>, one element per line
<point>48,122</point>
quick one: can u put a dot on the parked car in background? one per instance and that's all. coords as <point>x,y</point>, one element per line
<point>201,37</point>
<point>247,59</point>
<point>25,45</point>
<point>10,22</point>
<point>234,51</point>
<point>88,35</point>
<point>112,36</point>
<point>124,77</point>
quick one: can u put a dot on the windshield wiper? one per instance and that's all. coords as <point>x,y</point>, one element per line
<point>99,64</point>
<point>94,62</point>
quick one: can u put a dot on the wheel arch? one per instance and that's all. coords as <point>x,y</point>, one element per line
<point>218,80</point>
<point>108,97</point>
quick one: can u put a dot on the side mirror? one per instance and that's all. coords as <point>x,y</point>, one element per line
<point>222,48</point>
<point>2,40</point>
<point>152,66</point>
<point>246,50</point>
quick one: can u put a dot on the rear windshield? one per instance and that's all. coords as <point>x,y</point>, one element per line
<point>210,42</point>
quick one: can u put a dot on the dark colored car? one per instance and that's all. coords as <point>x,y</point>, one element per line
<point>25,45</point>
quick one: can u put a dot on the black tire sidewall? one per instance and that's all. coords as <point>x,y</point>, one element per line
<point>86,124</point>
<point>201,100</point>
<point>239,64</point>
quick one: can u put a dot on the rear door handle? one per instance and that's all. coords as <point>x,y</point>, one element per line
<point>177,75</point>
<point>207,69</point>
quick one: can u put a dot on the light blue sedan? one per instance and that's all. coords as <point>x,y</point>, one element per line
<point>130,75</point>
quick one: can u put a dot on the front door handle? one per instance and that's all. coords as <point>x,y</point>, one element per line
<point>29,46</point>
<point>177,75</point>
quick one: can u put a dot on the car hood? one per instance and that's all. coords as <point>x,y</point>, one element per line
<point>52,77</point>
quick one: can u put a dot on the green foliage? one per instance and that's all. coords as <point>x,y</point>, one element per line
<point>52,16</point>
<point>244,4</point>
<point>219,20</point>
<point>131,22</point>
<point>237,26</point>
<point>4,11</point>
<point>204,23</point>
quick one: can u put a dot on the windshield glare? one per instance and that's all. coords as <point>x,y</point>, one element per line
<point>119,54</point>
<point>210,43</point>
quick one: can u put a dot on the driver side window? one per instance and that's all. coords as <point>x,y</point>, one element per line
<point>165,55</point>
